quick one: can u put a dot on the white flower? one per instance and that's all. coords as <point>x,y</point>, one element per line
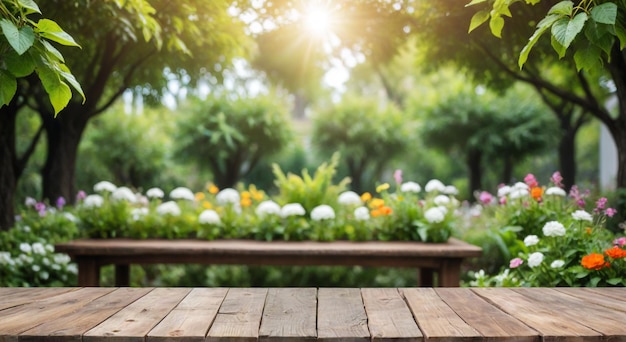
<point>30,202</point>
<point>38,248</point>
<point>70,217</point>
<point>362,214</point>
<point>518,193</point>
<point>93,201</point>
<point>155,193</point>
<point>557,264</point>
<point>503,191</point>
<point>581,215</point>
<point>553,228</point>
<point>61,259</point>
<point>441,200</point>
<point>228,196</point>
<point>410,187</point>
<point>44,275</point>
<point>531,240</point>
<point>322,212</point>
<point>25,247</point>
<point>168,208</point>
<point>209,217</point>
<point>349,198</point>
<point>36,268</point>
<point>443,209</point>
<point>450,190</point>
<point>104,186</point>
<point>556,191</point>
<point>124,194</point>
<point>434,215</point>
<point>182,193</point>
<point>535,259</point>
<point>434,185</point>
<point>139,213</point>
<point>268,208</point>
<point>292,209</point>
<point>5,258</point>
<point>520,186</point>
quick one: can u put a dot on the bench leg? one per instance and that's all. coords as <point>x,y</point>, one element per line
<point>425,277</point>
<point>88,272</point>
<point>122,275</point>
<point>450,273</point>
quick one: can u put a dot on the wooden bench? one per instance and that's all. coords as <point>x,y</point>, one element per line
<point>324,314</point>
<point>442,259</point>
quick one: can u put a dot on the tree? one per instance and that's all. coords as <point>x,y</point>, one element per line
<point>494,63</point>
<point>366,135</point>
<point>25,49</point>
<point>590,35</point>
<point>230,137</point>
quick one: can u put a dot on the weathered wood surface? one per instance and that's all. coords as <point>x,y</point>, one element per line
<point>331,314</point>
<point>444,259</point>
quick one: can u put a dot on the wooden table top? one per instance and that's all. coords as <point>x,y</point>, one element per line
<point>290,314</point>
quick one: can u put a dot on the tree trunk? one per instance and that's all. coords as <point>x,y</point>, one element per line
<point>63,134</point>
<point>475,172</point>
<point>507,169</point>
<point>567,154</point>
<point>8,177</point>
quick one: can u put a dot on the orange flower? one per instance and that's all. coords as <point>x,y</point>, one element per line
<point>200,196</point>
<point>594,261</point>
<point>615,253</point>
<point>588,230</point>
<point>536,193</point>
<point>386,210</point>
<point>377,203</point>
<point>376,212</point>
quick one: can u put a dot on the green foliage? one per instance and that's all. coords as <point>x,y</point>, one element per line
<point>230,137</point>
<point>25,48</point>
<point>594,26</point>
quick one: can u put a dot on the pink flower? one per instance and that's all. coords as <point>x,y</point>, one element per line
<point>620,241</point>
<point>515,263</point>
<point>556,179</point>
<point>485,197</point>
<point>397,175</point>
<point>610,212</point>
<point>502,200</point>
<point>600,204</point>
<point>530,180</point>
<point>80,196</point>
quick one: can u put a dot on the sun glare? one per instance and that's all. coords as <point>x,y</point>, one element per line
<point>317,20</point>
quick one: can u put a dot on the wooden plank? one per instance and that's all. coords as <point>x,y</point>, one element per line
<point>72,326</point>
<point>488,320</point>
<point>18,319</point>
<point>239,317</point>
<point>341,315</point>
<point>388,316</point>
<point>14,296</point>
<point>192,318</point>
<point>609,322</point>
<point>552,324</point>
<point>135,321</point>
<point>598,296</point>
<point>436,320</point>
<point>289,315</point>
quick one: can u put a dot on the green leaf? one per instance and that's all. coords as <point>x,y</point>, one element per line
<point>53,51</point>
<point>19,66</point>
<point>532,2</point>
<point>58,91</point>
<point>30,6</point>
<point>565,30</point>
<point>564,8</point>
<point>478,19</point>
<point>588,58</point>
<point>560,49</point>
<point>475,2</point>
<point>605,13</point>
<point>20,39</point>
<point>69,77</point>
<point>8,88</point>
<point>614,281</point>
<point>620,32</point>
<point>543,25</point>
<point>51,30</point>
<point>496,24</point>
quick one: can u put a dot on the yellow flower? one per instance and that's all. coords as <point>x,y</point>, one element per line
<point>246,195</point>
<point>377,203</point>
<point>207,205</point>
<point>366,197</point>
<point>200,196</point>
<point>246,202</point>
<point>382,187</point>
<point>212,189</point>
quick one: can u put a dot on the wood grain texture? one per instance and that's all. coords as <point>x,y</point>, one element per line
<point>598,296</point>
<point>551,322</point>
<point>289,315</point>
<point>191,318</point>
<point>135,321</point>
<point>14,296</point>
<point>341,315</point>
<point>239,317</point>
<point>488,320</point>
<point>72,326</point>
<point>388,316</point>
<point>437,321</point>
